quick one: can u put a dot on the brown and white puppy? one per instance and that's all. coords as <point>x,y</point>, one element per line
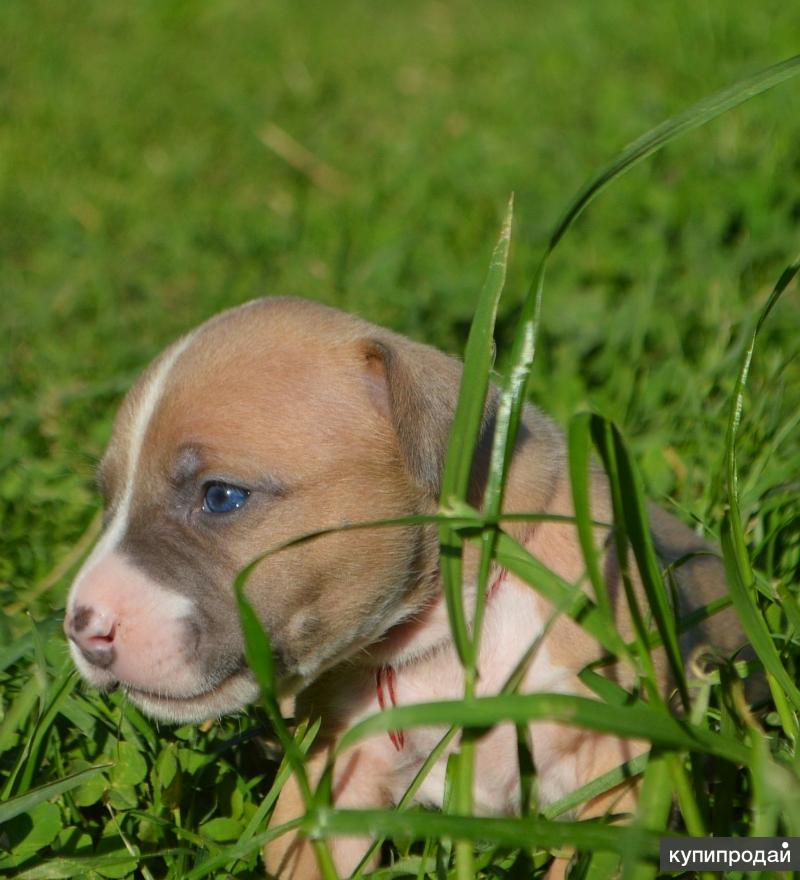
<point>284,416</point>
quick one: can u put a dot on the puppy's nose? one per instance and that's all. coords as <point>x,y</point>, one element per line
<point>92,630</point>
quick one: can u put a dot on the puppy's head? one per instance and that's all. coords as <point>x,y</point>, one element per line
<point>272,420</point>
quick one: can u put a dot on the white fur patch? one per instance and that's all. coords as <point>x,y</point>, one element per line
<point>149,628</point>
<point>148,401</point>
<point>148,617</point>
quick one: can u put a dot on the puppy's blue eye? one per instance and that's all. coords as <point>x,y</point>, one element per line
<point>223,497</point>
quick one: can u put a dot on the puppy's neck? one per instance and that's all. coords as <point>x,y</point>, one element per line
<point>416,661</point>
<point>426,631</point>
<point>416,640</point>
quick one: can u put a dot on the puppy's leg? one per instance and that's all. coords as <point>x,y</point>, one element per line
<point>596,754</point>
<point>358,782</point>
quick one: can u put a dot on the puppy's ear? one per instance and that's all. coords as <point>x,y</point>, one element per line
<point>416,388</point>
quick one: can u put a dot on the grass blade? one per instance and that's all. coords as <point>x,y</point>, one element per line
<point>579,443</point>
<point>737,568</point>
<point>734,548</point>
<point>258,653</point>
<point>631,513</point>
<point>421,775</point>
<point>695,117</point>
<point>24,802</point>
<point>637,721</point>
<point>240,850</point>
<point>597,786</point>
<point>478,357</point>
<point>28,761</point>
<point>507,832</point>
<point>652,813</point>
<point>64,867</point>
<point>465,431</point>
<point>523,347</point>
<point>514,557</point>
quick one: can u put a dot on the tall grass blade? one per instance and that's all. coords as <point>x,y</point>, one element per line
<point>66,867</point>
<point>603,434</point>
<point>421,775</point>
<point>508,832</point>
<point>240,850</point>
<point>695,117</point>
<point>28,761</point>
<point>639,721</point>
<point>609,691</point>
<point>260,659</point>
<point>597,786</point>
<point>633,513</point>
<point>579,444</point>
<point>734,548</point>
<point>258,650</point>
<point>739,574</point>
<point>523,347</point>
<point>24,802</point>
<point>478,357</point>
<point>652,814</point>
<point>304,736</point>
<point>511,555</point>
<point>249,840</point>
<point>465,431</point>
<point>17,714</point>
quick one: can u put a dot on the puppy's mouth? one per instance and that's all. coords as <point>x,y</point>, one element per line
<point>230,694</point>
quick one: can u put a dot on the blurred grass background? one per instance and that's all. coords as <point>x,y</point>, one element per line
<point>138,196</point>
<point>160,161</point>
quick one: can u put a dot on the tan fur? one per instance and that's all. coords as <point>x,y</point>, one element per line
<point>332,420</point>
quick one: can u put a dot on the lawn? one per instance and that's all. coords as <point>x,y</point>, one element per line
<point>163,160</point>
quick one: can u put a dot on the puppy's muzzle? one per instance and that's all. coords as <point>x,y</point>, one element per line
<point>128,630</point>
<point>125,627</point>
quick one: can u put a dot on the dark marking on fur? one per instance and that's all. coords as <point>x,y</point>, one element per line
<point>81,617</point>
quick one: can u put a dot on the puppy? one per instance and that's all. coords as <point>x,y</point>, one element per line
<point>281,417</point>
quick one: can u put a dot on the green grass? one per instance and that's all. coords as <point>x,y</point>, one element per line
<point>138,196</point>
